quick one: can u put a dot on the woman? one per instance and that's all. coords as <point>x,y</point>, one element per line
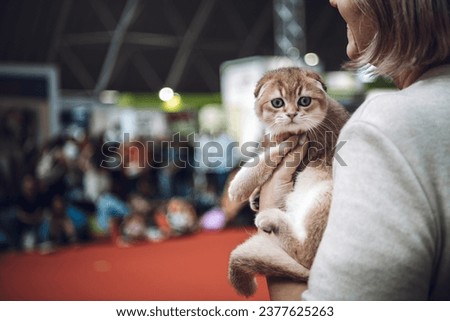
<point>388,231</point>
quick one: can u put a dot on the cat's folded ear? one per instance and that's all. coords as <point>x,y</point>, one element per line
<point>317,77</point>
<point>260,87</point>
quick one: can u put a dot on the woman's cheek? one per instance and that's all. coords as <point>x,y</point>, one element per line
<point>352,50</point>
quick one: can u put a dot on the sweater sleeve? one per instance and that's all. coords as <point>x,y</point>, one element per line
<point>379,243</point>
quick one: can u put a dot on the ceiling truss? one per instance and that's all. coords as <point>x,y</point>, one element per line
<point>186,41</point>
<point>142,46</point>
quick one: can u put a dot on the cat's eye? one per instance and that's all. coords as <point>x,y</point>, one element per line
<point>304,101</point>
<point>277,102</point>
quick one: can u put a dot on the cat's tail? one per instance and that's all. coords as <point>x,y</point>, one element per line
<point>261,254</point>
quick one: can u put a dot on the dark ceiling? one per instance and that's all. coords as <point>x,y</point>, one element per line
<point>180,43</point>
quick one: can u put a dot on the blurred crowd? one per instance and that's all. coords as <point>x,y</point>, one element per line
<point>71,190</point>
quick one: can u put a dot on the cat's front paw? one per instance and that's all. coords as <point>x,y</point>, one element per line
<point>238,192</point>
<point>268,221</point>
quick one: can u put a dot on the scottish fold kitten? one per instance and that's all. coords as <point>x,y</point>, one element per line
<point>290,102</point>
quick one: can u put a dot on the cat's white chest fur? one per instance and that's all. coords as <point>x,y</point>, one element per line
<point>311,187</point>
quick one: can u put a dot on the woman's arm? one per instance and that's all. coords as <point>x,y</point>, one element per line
<point>272,195</point>
<point>285,289</point>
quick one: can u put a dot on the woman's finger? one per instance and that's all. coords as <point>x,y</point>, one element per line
<point>291,162</point>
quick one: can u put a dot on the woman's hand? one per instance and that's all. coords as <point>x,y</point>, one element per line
<point>273,192</point>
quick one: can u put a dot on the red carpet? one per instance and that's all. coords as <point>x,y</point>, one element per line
<point>184,269</point>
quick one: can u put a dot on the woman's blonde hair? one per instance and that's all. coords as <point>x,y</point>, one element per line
<point>411,35</point>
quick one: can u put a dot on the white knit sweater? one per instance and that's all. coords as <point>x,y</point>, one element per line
<point>388,235</point>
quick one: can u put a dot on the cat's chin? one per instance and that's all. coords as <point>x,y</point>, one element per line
<point>289,129</point>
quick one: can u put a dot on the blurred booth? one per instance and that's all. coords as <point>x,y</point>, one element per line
<point>28,103</point>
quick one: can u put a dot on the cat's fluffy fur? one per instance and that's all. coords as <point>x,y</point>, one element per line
<point>288,236</point>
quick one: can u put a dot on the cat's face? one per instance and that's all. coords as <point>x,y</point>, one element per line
<point>291,100</point>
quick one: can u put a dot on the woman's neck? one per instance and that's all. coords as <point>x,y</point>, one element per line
<point>408,78</point>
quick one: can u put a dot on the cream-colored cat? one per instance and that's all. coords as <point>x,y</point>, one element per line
<point>291,102</point>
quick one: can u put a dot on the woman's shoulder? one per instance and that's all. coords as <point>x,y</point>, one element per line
<point>414,121</point>
<point>421,109</point>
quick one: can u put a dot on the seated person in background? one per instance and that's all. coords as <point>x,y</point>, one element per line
<point>29,220</point>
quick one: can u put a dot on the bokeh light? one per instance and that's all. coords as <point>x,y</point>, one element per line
<point>174,104</point>
<point>166,94</point>
<point>311,59</point>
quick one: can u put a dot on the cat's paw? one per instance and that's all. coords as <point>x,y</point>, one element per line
<point>238,192</point>
<point>268,221</point>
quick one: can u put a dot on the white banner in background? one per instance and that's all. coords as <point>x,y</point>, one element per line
<point>209,310</point>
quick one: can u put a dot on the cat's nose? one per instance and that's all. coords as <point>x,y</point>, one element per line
<point>291,115</point>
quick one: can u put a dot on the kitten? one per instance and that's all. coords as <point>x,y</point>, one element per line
<point>289,101</point>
